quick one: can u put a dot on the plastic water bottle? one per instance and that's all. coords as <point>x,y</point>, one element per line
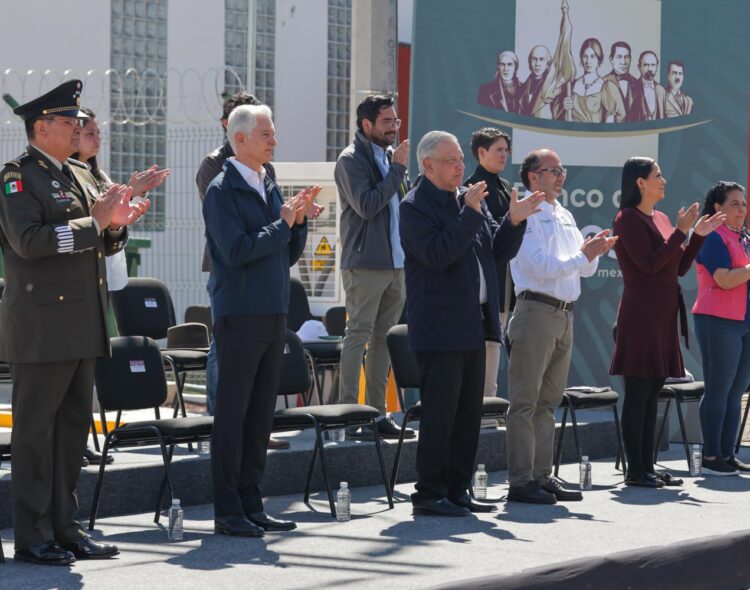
<point>176,514</point>
<point>480,483</point>
<point>585,476</point>
<point>343,503</point>
<point>338,435</point>
<point>696,461</point>
<point>204,447</point>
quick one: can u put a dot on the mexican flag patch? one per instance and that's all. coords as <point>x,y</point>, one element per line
<point>13,186</point>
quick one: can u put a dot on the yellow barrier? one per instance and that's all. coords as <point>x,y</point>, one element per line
<point>6,421</point>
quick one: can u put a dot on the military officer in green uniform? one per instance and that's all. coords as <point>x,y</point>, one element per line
<point>55,230</point>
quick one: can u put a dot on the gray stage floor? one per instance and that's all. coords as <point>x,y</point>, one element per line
<point>379,547</point>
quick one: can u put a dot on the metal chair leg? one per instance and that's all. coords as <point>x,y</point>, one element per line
<point>323,468</point>
<point>678,403</point>
<point>98,487</point>
<point>167,459</point>
<point>311,468</point>
<point>560,440</point>
<point>574,422</point>
<point>383,470</point>
<point>667,405</point>
<point>399,447</point>
<point>163,485</point>
<point>742,425</point>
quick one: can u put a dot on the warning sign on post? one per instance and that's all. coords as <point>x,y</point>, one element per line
<point>323,255</point>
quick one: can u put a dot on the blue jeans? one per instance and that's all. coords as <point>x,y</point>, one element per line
<point>212,364</point>
<point>725,350</point>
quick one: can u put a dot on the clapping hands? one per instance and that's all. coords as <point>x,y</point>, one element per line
<point>296,209</point>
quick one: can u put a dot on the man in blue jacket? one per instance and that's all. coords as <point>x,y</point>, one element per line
<point>452,244</point>
<point>253,238</point>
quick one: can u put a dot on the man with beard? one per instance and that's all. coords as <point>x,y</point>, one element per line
<point>620,58</point>
<point>501,93</point>
<point>371,180</point>
<point>532,101</point>
<point>648,101</point>
<point>678,104</point>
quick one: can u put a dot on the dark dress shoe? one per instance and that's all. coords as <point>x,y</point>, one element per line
<point>388,429</point>
<point>87,548</point>
<point>94,458</point>
<point>236,526</point>
<point>553,486</point>
<point>467,502</point>
<point>269,523</point>
<point>278,443</point>
<point>438,507</point>
<point>530,493</point>
<point>48,553</point>
<point>644,481</point>
<point>667,478</point>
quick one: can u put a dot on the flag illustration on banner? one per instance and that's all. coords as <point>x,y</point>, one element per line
<point>13,186</point>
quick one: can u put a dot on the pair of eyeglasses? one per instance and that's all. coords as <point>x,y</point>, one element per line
<point>392,123</point>
<point>556,171</point>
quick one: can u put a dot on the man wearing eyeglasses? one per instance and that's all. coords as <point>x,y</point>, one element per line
<point>371,180</point>
<point>547,274</point>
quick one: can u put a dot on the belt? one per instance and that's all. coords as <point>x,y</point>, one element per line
<point>541,298</point>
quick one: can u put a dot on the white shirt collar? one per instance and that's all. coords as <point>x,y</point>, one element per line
<point>255,179</point>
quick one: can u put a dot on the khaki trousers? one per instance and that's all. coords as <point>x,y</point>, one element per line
<point>374,302</point>
<point>541,338</point>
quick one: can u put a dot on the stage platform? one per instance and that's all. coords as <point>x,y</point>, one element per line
<point>382,548</point>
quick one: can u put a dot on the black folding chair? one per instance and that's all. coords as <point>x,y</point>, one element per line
<point>323,355</point>
<point>406,374</point>
<point>295,378</point>
<point>144,308</point>
<point>588,398</point>
<point>679,393</point>
<point>133,378</point>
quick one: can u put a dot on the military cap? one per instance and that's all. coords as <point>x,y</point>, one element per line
<point>64,101</point>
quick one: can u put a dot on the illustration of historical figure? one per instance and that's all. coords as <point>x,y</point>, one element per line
<point>594,100</point>
<point>648,96</point>
<point>620,56</point>
<point>678,103</point>
<point>539,98</point>
<point>502,92</point>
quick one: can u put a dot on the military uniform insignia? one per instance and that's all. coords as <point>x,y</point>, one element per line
<point>55,184</point>
<point>42,164</point>
<point>13,186</point>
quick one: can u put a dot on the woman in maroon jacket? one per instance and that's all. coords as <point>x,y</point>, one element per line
<point>652,255</point>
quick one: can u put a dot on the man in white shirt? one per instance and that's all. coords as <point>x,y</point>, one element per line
<point>547,274</point>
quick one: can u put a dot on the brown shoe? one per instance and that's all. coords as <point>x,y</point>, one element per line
<point>278,443</point>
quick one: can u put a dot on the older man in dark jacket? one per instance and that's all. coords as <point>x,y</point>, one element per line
<point>253,239</point>
<point>452,244</point>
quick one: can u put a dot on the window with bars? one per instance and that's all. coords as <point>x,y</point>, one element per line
<point>137,97</point>
<point>236,20</point>
<point>339,74</point>
<point>265,50</point>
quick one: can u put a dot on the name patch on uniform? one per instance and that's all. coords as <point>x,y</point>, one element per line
<point>62,198</point>
<point>150,302</point>
<point>13,186</point>
<point>137,366</point>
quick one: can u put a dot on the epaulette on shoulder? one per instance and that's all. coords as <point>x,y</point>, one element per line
<point>77,163</point>
<point>19,161</point>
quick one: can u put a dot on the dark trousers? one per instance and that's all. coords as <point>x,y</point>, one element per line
<point>639,423</point>
<point>249,350</point>
<point>51,419</point>
<point>451,387</point>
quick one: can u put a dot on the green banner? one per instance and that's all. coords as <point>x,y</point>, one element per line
<point>597,81</point>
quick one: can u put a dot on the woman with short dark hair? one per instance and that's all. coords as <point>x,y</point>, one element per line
<point>722,325</point>
<point>652,256</point>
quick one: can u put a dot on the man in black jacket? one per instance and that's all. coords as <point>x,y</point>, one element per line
<point>491,148</point>
<point>451,244</point>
